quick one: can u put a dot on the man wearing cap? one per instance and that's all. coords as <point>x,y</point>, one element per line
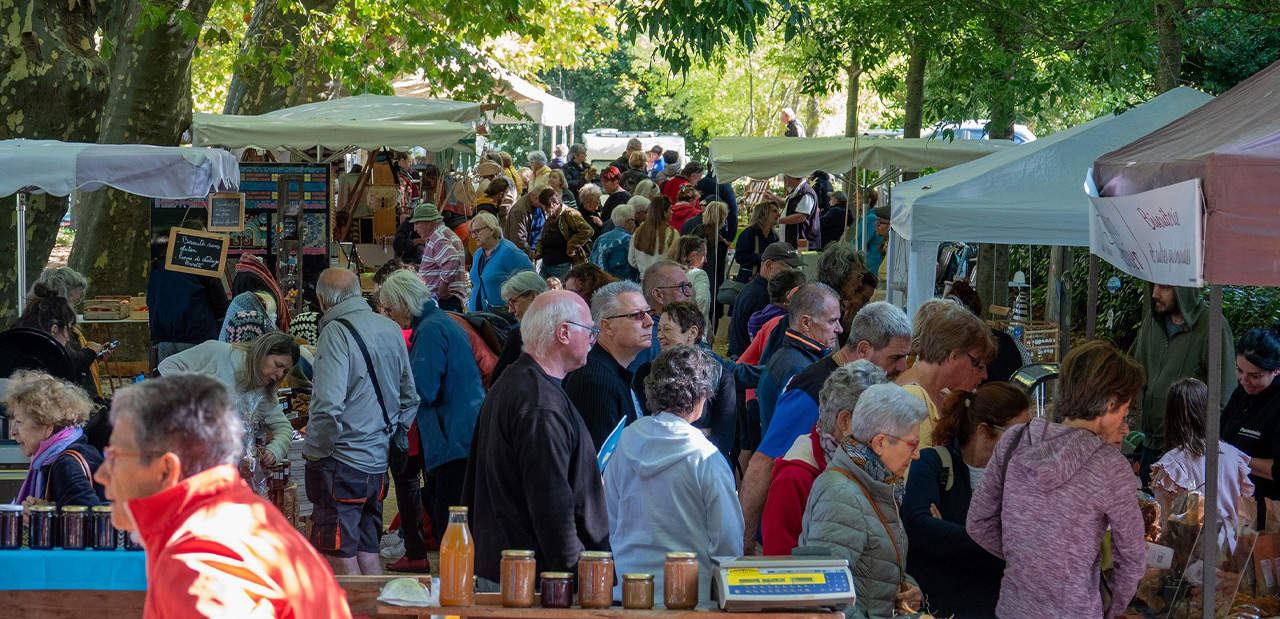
<point>755,295</point>
<point>633,146</point>
<point>442,268</point>
<point>801,215</point>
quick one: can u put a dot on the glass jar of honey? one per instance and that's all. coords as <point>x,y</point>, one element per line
<point>104,533</point>
<point>75,520</point>
<point>518,568</point>
<point>680,581</point>
<point>40,527</point>
<point>557,589</point>
<point>637,591</point>
<point>595,579</point>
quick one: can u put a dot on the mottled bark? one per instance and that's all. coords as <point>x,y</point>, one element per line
<point>150,103</point>
<point>854,74</point>
<point>281,36</point>
<point>913,107</point>
<point>52,86</point>
<point>1169,43</point>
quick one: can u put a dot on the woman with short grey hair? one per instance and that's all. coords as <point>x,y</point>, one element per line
<point>795,472</point>
<point>575,167</point>
<point>666,476</point>
<point>853,506</point>
<point>518,293</point>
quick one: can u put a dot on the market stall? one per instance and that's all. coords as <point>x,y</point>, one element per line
<point>383,107</point>
<point>1220,165</point>
<point>302,134</point>
<point>1025,195</point>
<point>732,158</point>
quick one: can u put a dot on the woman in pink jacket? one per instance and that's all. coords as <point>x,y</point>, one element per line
<point>1052,490</point>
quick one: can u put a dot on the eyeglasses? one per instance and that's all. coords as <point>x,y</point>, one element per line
<point>594,332</point>
<point>479,229</point>
<point>637,315</point>
<point>511,304</point>
<point>914,445</point>
<point>109,454</point>
<point>977,363</point>
<point>686,287</point>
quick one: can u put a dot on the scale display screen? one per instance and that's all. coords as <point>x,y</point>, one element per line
<point>783,581</point>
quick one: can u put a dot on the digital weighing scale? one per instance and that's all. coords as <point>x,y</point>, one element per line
<point>771,583</point>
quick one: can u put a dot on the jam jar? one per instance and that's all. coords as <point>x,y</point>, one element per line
<point>104,533</point>
<point>518,568</point>
<point>557,589</point>
<point>10,527</point>
<point>680,581</point>
<point>75,519</point>
<point>595,579</point>
<point>40,523</point>
<point>637,591</point>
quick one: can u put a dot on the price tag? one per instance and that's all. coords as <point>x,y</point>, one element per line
<point>1159,557</point>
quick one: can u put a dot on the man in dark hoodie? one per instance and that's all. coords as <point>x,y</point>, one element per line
<point>1173,343</point>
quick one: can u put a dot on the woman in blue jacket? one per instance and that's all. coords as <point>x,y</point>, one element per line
<point>956,575</point>
<point>493,263</point>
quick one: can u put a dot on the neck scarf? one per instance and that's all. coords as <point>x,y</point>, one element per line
<point>868,461</point>
<point>49,449</point>
<point>829,444</point>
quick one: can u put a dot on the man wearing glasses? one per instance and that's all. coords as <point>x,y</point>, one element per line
<point>532,480</point>
<point>664,282</point>
<point>601,389</point>
<point>214,548</point>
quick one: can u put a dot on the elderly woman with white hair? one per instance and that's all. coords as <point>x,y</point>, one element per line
<point>589,203</point>
<point>667,487</point>
<point>610,250</point>
<point>518,293</point>
<point>448,382</point>
<point>491,265</point>
<point>853,506</point>
<point>538,166</point>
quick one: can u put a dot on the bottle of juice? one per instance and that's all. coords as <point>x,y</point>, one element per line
<point>457,561</point>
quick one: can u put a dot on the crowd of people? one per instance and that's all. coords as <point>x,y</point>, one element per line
<point>556,374</point>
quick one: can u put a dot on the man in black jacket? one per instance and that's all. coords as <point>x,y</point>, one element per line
<point>601,389</point>
<point>532,479</point>
<point>184,309</point>
<point>755,295</point>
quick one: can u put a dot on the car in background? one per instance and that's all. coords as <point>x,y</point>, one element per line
<point>977,130</point>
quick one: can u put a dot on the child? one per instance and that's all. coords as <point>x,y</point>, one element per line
<point>1182,469</point>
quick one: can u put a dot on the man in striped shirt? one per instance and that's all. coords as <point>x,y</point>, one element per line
<point>443,267</point>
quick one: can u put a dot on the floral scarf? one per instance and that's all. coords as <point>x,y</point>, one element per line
<point>868,461</point>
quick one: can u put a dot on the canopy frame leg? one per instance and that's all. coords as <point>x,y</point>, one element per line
<point>22,247</point>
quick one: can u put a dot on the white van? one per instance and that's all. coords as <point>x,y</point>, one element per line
<point>606,145</point>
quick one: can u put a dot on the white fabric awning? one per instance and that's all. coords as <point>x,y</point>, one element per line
<point>544,108</point>
<point>230,131</point>
<point>383,107</point>
<point>59,168</point>
<point>766,157</point>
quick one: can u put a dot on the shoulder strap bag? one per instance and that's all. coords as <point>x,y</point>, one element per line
<point>398,450</point>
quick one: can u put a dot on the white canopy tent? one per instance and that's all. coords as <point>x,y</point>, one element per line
<point>383,107</point>
<point>540,106</point>
<point>766,157</point>
<point>58,168</point>
<point>1031,194</point>
<point>231,131</point>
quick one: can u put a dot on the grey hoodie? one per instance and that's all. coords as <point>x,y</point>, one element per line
<point>1046,515</point>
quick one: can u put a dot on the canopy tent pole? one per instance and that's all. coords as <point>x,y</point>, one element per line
<point>541,130</point>
<point>1091,309</point>
<point>1209,534</point>
<point>22,248</point>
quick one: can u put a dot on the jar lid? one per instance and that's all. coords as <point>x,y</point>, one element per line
<point>101,509</point>
<point>518,554</point>
<point>457,508</point>
<point>7,507</point>
<point>42,509</point>
<point>637,576</point>
<point>74,509</point>
<point>595,554</point>
<point>557,575</point>
<point>682,556</point>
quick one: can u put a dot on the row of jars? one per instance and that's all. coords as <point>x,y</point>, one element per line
<point>74,527</point>
<point>595,582</point>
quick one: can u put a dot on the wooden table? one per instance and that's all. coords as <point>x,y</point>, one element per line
<point>489,605</point>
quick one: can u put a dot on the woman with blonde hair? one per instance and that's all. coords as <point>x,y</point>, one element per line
<point>47,417</point>
<point>691,252</point>
<point>654,237</point>
<point>556,180</point>
<point>758,235</point>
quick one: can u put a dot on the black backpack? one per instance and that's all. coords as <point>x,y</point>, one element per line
<point>493,329</point>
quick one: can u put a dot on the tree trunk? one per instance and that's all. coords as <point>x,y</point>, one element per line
<point>280,35</point>
<point>150,103</point>
<point>52,84</point>
<point>993,260</point>
<point>854,72</point>
<point>812,116</point>
<point>1169,43</point>
<point>913,109</point>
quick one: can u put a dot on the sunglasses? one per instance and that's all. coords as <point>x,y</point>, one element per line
<point>637,315</point>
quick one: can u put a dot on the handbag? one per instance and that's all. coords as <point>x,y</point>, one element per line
<point>398,449</point>
<point>730,288</point>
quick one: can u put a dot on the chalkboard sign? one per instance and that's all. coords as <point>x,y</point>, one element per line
<point>226,212</point>
<point>196,252</point>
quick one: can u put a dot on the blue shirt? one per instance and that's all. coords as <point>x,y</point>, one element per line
<point>610,254</point>
<point>489,272</point>
<point>873,247</point>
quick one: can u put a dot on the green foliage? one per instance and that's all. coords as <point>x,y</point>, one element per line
<point>1226,47</point>
<point>686,32</point>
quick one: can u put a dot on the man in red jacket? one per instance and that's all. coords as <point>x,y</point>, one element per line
<point>214,548</point>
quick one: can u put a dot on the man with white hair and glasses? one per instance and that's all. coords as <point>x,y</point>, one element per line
<point>532,480</point>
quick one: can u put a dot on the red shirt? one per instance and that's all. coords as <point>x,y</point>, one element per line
<point>682,213</point>
<point>793,477</point>
<point>216,549</point>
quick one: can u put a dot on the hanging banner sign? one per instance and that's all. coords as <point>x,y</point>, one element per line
<point>1157,235</point>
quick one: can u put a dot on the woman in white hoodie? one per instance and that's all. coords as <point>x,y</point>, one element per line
<point>667,487</point>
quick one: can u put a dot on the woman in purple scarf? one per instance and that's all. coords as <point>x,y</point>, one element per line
<point>46,416</point>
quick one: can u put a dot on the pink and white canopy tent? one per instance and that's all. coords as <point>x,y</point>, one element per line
<point>58,168</point>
